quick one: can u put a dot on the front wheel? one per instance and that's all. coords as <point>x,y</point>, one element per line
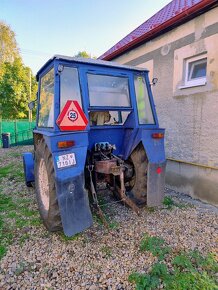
<point>45,188</point>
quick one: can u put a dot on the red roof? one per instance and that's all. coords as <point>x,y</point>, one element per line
<point>172,14</point>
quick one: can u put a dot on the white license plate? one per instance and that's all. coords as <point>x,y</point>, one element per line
<point>65,160</point>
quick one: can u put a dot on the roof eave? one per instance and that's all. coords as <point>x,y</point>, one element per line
<point>168,25</point>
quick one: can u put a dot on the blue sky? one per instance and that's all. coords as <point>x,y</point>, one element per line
<point>47,27</point>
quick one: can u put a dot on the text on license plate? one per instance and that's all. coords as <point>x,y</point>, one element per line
<point>66,160</point>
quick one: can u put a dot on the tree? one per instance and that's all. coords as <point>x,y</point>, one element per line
<point>83,53</point>
<point>8,45</point>
<point>15,89</point>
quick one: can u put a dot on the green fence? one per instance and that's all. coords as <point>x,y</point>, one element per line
<point>20,131</point>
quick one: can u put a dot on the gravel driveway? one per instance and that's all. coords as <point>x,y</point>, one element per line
<point>99,258</point>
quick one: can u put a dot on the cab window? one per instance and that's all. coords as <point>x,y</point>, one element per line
<point>145,113</point>
<point>108,91</point>
<point>46,111</point>
<point>69,86</point>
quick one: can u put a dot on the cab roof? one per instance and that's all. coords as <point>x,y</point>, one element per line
<point>88,61</point>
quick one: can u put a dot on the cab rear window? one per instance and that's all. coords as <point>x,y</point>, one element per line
<point>108,91</point>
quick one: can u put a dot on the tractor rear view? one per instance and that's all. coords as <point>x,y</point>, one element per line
<point>97,130</point>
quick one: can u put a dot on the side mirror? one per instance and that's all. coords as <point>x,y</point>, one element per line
<point>154,81</point>
<point>31,105</point>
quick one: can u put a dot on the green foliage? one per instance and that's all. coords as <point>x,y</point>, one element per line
<point>68,239</point>
<point>83,53</point>
<point>190,281</point>
<point>159,270</point>
<point>113,225</point>
<point>107,251</point>
<point>15,78</point>
<point>150,209</point>
<point>168,202</point>
<point>183,261</point>
<point>8,45</point>
<point>194,260</point>
<point>144,281</point>
<point>3,251</point>
<point>173,280</point>
<point>188,271</point>
<point>15,89</point>
<point>155,245</point>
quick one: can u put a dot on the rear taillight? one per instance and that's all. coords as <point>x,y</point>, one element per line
<point>65,144</point>
<point>159,170</point>
<point>157,135</point>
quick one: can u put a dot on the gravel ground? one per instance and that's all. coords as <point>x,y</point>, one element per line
<point>100,258</point>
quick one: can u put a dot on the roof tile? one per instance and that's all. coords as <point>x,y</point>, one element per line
<point>171,10</point>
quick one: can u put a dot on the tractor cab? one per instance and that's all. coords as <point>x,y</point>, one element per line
<point>97,130</point>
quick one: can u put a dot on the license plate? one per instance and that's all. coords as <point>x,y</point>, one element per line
<point>65,160</point>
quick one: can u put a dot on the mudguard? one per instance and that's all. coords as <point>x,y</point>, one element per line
<point>72,196</point>
<point>156,183</point>
<point>28,165</point>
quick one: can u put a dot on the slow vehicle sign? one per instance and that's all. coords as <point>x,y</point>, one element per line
<point>72,117</point>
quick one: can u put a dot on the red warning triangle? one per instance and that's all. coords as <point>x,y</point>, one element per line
<point>72,117</point>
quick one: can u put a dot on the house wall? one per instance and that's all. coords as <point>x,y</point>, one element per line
<point>189,114</point>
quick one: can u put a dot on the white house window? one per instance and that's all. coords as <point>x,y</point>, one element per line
<point>196,71</point>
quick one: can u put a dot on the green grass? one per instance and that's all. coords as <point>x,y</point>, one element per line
<point>12,171</point>
<point>68,239</point>
<point>6,203</point>
<point>155,245</point>
<point>23,238</point>
<point>169,203</point>
<point>6,170</point>
<point>113,225</point>
<point>14,154</point>
<point>184,271</point>
<point>15,214</point>
<point>107,251</point>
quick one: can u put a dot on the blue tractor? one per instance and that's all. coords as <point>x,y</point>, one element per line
<point>96,130</point>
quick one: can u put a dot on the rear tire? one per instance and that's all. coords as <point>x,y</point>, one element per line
<point>45,188</point>
<point>137,186</point>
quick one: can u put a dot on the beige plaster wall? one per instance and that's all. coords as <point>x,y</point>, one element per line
<point>190,115</point>
<point>150,66</point>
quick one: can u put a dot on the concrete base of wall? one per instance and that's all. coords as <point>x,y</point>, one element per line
<point>196,181</point>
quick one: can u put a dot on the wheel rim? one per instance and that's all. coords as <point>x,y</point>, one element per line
<point>43,184</point>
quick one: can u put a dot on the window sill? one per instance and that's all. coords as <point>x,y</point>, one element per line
<point>192,85</point>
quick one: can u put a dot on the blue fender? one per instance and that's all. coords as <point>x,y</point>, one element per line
<point>28,164</point>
